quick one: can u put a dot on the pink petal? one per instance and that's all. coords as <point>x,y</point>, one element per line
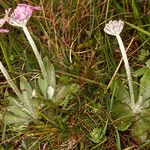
<point>36,7</point>
<point>33,7</point>
<point>23,5</point>
<point>7,11</point>
<point>2,21</point>
<point>4,30</point>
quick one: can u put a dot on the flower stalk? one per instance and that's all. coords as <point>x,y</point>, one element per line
<point>128,71</point>
<point>35,50</point>
<point>19,18</point>
<point>114,28</point>
<point>10,81</point>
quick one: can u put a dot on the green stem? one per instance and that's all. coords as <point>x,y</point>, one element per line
<point>5,54</point>
<point>10,81</point>
<point>36,52</point>
<point>128,71</point>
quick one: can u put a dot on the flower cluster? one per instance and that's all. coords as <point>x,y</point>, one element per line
<point>19,16</point>
<point>114,27</point>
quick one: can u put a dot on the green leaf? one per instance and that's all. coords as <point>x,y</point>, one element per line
<point>141,127</point>
<point>51,77</point>
<point>140,130</point>
<point>26,91</point>
<point>43,85</point>
<point>96,135</point>
<point>140,72</point>
<point>148,63</point>
<point>121,93</point>
<point>145,85</point>
<point>15,120</point>
<point>121,112</point>
<point>20,112</point>
<point>138,28</point>
<point>13,101</point>
<point>63,93</point>
<point>123,116</point>
<point>144,54</point>
<point>48,87</point>
<point>27,95</point>
<point>17,109</point>
<point>145,114</point>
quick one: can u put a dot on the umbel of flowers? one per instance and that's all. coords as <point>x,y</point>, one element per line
<point>22,14</point>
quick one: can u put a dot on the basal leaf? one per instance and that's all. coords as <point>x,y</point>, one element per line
<point>18,112</point>
<point>140,129</point>
<point>16,120</point>
<point>63,93</point>
<point>51,78</point>
<point>26,92</point>
<point>25,88</point>
<point>121,92</point>
<point>140,72</point>
<point>27,95</point>
<point>43,85</point>
<point>145,85</point>
<point>17,108</point>
<point>122,116</point>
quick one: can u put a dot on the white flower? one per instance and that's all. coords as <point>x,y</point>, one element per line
<point>114,27</point>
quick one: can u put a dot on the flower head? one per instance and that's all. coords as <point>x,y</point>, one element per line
<point>114,27</point>
<point>3,20</point>
<point>21,14</point>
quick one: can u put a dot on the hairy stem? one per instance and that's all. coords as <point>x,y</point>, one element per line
<point>128,71</point>
<point>36,52</point>
<point>10,81</point>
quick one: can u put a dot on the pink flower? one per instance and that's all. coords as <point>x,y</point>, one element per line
<point>3,20</point>
<point>21,14</point>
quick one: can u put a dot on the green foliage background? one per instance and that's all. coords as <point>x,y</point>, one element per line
<point>70,33</point>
